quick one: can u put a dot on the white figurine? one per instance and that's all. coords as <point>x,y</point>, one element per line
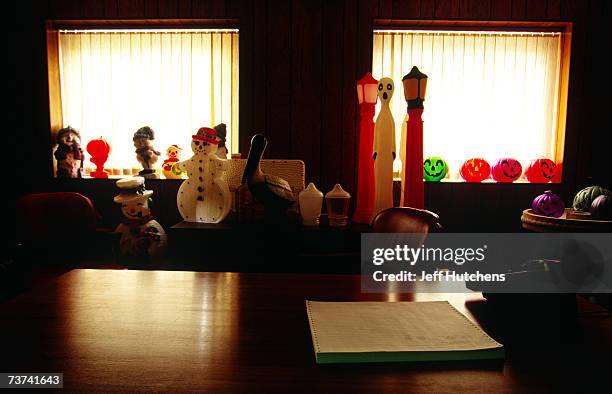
<point>384,148</point>
<point>142,237</point>
<point>204,196</point>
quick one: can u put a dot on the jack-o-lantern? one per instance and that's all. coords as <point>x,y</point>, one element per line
<point>506,170</point>
<point>475,170</point>
<point>540,171</point>
<point>434,169</point>
<point>548,204</point>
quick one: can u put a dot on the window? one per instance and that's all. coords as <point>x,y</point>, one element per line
<point>113,82</point>
<point>490,94</point>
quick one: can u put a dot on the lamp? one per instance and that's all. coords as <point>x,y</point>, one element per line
<point>367,97</point>
<point>415,85</point>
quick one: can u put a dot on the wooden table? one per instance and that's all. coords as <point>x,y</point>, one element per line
<point>109,330</point>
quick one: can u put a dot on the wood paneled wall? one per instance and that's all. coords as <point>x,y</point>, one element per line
<point>299,63</point>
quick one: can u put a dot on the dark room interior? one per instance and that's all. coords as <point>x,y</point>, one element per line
<point>219,306</point>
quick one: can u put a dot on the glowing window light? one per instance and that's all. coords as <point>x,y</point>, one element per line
<point>174,80</point>
<point>489,94</point>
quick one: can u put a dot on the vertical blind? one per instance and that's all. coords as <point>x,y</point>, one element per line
<point>175,81</point>
<point>489,94</point>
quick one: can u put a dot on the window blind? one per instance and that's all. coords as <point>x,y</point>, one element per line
<point>489,94</point>
<point>114,82</point>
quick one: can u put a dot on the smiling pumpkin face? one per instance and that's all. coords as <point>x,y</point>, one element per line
<point>434,169</point>
<point>506,170</point>
<point>541,171</point>
<point>475,170</point>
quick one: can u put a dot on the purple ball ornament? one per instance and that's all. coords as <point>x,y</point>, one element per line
<point>601,208</point>
<point>548,204</point>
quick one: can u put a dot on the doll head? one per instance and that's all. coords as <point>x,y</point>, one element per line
<point>173,152</point>
<point>143,137</point>
<point>205,141</point>
<point>68,136</point>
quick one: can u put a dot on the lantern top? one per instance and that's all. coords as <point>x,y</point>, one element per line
<point>367,79</point>
<point>415,73</point>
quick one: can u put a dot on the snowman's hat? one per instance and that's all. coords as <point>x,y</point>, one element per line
<point>131,188</point>
<point>207,134</point>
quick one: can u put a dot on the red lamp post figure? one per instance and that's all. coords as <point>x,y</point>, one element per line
<point>367,96</point>
<point>99,150</point>
<point>415,84</point>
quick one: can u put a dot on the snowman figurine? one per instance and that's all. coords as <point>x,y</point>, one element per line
<point>168,167</point>
<point>204,197</point>
<point>142,237</point>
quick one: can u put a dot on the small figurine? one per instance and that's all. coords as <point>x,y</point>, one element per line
<point>221,130</point>
<point>204,196</point>
<point>142,237</point>
<point>145,153</point>
<point>69,154</point>
<point>99,149</point>
<point>169,169</point>
<point>272,191</point>
<point>384,148</point>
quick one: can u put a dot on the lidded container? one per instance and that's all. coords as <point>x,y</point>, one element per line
<point>311,201</point>
<point>337,201</point>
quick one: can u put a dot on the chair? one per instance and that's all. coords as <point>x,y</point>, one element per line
<point>58,228</point>
<point>406,220</point>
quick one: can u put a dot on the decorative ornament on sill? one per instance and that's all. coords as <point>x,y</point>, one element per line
<point>221,130</point>
<point>168,167</point>
<point>337,201</point>
<point>601,207</point>
<point>311,201</point>
<point>475,170</point>
<point>413,190</point>
<point>99,149</point>
<point>69,154</point>
<point>506,170</point>
<point>548,204</point>
<point>434,169</point>
<point>142,237</point>
<point>146,155</point>
<point>204,196</point>
<point>585,197</point>
<point>540,171</point>
<point>273,192</point>
<point>367,96</point>
<point>384,148</point>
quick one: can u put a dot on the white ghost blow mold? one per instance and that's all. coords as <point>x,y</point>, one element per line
<point>384,148</point>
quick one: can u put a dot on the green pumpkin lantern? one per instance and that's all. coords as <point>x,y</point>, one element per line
<point>434,169</point>
<point>584,198</point>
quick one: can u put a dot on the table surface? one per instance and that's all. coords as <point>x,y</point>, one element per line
<point>120,330</point>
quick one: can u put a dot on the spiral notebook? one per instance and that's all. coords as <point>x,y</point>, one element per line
<point>356,332</point>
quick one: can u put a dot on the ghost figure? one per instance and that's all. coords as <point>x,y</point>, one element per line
<point>204,196</point>
<point>142,237</point>
<point>384,148</point>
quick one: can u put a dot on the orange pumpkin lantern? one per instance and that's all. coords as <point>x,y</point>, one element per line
<point>540,171</point>
<point>475,170</point>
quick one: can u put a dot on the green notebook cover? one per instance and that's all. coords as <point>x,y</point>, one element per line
<point>368,332</point>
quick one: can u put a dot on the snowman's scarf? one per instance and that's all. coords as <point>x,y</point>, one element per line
<point>135,224</point>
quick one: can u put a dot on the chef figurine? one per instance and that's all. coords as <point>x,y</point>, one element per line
<point>204,196</point>
<point>145,153</point>
<point>142,237</point>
